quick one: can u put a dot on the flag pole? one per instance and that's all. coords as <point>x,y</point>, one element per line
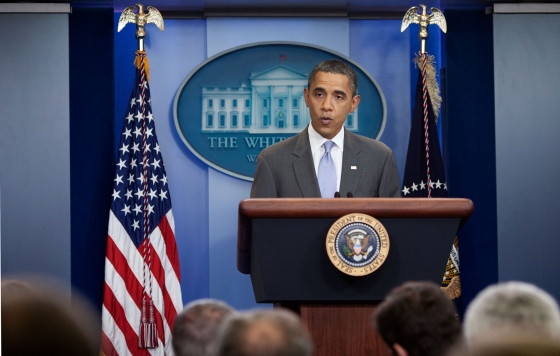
<point>424,20</point>
<point>148,333</point>
<point>421,166</point>
<point>142,292</point>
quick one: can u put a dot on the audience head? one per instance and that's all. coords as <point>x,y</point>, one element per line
<point>39,321</point>
<point>417,318</point>
<point>194,332</point>
<point>511,307</point>
<point>14,289</point>
<point>263,332</point>
<point>511,344</point>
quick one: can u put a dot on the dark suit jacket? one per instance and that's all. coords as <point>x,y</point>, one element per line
<point>286,170</point>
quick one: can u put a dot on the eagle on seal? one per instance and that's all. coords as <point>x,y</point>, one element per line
<point>357,247</point>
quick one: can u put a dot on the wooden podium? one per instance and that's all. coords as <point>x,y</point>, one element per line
<point>281,244</point>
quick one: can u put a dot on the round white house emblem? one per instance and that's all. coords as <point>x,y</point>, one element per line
<point>238,102</point>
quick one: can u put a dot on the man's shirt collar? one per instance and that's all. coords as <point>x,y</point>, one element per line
<point>316,140</point>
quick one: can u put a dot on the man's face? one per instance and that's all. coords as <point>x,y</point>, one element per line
<point>329,99</point>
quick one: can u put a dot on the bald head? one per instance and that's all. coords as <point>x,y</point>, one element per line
<point>263,335</point>
<point>194,332</point>
<point>263,332</point>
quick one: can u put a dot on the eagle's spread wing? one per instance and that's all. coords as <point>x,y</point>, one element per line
<point>154,16</point>
<point>365,243</point>
<point>349,242</point>
<point>127,16</point>
<point>437,18</point>
<point>411,16</point>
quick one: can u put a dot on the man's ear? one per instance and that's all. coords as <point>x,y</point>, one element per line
<point>399,350</point>
<point>355,102</point>
<point>306,96</point>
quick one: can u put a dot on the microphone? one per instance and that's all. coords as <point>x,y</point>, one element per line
<point>336,194</point>
<point>349,195</point>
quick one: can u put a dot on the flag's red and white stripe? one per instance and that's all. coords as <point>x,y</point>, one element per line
<point>123,289</point>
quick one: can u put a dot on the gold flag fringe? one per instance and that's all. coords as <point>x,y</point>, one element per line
<point>453,289</point>
<point>138,63</point>
<point>431,81</point>
<point>451,283</point>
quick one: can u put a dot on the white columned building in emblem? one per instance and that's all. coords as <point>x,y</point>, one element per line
<point>280,105</point>
<point>272,103</point>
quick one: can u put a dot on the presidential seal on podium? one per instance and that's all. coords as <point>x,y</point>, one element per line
<point>357,244</point>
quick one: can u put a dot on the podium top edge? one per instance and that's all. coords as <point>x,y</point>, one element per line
<point>337,207</point>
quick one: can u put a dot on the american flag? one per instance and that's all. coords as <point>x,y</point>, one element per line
<point>142,263</point>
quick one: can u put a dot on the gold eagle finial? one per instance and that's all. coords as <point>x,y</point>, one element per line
<point>423,19</point>
<point>140,18</point>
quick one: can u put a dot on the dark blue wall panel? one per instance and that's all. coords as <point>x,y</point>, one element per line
<point>125,47</point>
<point>471,157</point>
<point>91,145</point>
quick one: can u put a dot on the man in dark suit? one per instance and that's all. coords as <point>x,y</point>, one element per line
<point>292,168</point>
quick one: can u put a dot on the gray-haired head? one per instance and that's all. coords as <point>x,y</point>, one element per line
<point>510,344</point>
<point>336,66</point>
<point>263,332</point>
<point>511,307</point>
<point>194,332</point>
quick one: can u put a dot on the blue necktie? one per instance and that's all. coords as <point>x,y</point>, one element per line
<point>327,172</point>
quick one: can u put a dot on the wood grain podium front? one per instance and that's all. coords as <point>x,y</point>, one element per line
<point>281,244</point>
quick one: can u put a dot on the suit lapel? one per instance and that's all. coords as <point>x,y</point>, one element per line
<point>304,168</point>
<point>351,165</point>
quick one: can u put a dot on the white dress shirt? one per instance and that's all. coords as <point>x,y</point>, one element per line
<point>318,150</point>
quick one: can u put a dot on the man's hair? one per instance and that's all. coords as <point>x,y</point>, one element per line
<point>194,332</point>
<point>336,66</point>
<point>40,321</point>
<point>419,317</point>
<point>263,332</point>
<point>512,307</point>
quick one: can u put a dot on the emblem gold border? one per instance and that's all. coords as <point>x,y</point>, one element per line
<point>384,244</point>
